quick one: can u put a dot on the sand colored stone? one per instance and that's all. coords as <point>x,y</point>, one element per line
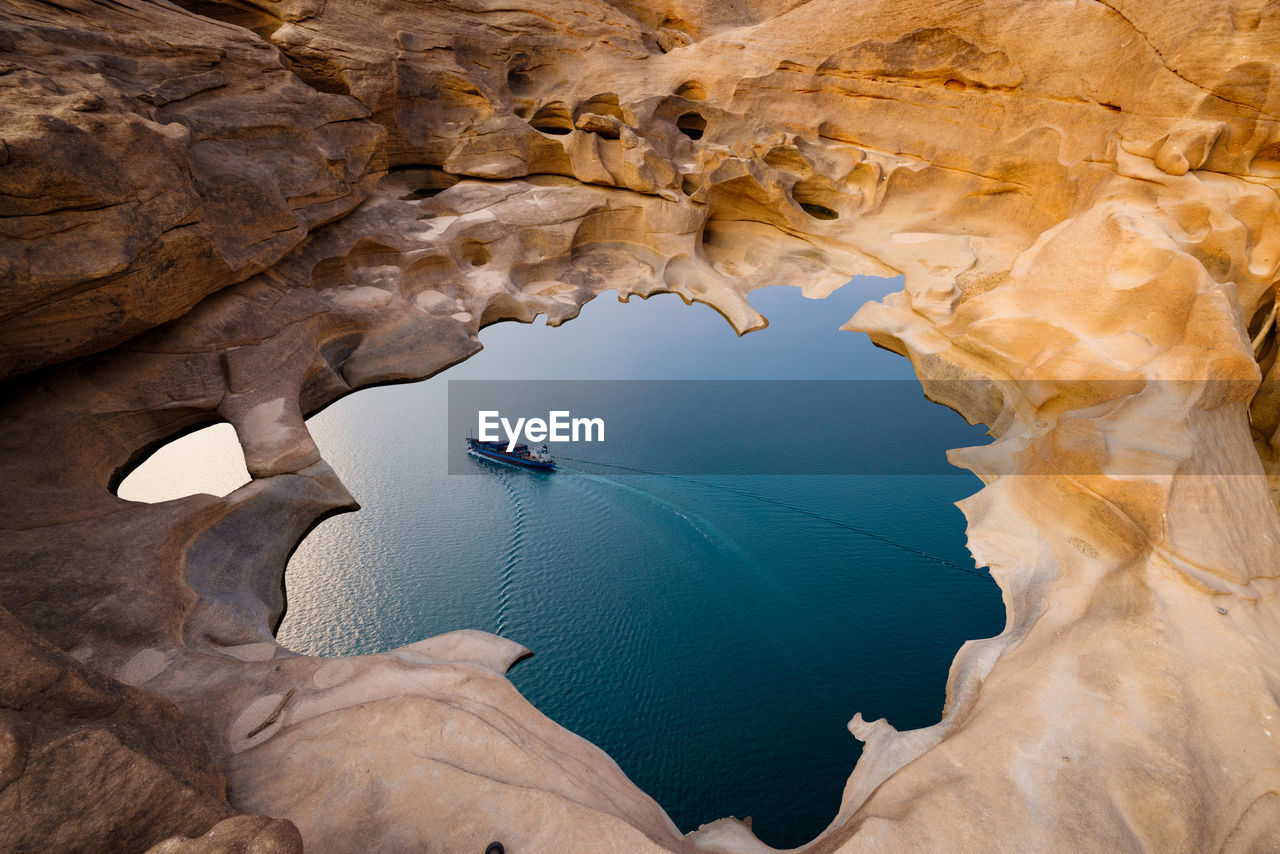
<point>244,211</point>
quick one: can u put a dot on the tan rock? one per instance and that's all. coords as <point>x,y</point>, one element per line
<point>88,764</point>
<point>251,834</point>
<point>275,204</point>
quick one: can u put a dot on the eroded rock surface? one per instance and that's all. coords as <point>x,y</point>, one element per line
<point>243,211</point>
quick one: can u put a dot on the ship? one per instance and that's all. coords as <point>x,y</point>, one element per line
<point>520,455</point>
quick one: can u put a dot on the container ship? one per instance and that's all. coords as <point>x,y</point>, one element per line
<point>520,455</point>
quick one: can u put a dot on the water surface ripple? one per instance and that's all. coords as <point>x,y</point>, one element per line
<point>714,634</point>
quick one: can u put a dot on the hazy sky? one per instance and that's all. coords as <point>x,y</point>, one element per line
<point>658,338</point>
<point>661,338</point>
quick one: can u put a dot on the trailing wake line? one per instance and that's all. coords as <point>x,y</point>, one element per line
<point>512,555</point>
<point>801,510</point>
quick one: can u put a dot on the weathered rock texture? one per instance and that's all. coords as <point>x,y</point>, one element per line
<point>242,210</point>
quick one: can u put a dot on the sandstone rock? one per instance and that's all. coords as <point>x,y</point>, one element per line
<point>172,175</point>
<point>245,211</point>
<point>88,764</point>
<point>251,834</point>
<point>669,39</point>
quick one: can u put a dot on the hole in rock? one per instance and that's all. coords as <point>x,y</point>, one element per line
<point>324,75</point>
<point>434,272</point>
<point>411,183</point>
<point>693,90</point>
<point>207,461</point>
<point>1264,331</point>
<point>231,12</point>
<point>521,73</point>
<point>815,199</point>
<point>692,125</point>
<point>344,270</point>
<point>553,118</point>
<point>475,252</point>
<point>1264,315</point>
<point>604,104</point>
<point>787,158</point>
<point>713,633</point>
<point>518,81</point>
<point>818,211</point>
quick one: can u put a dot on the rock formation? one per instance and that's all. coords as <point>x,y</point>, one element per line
<point>243,210</point>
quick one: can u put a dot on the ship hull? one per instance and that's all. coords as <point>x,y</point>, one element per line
<point>510,459</point>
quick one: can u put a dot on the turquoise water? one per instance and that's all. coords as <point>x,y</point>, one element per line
<point>714,634</point>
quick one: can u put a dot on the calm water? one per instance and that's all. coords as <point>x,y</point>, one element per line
<point>714,634</point>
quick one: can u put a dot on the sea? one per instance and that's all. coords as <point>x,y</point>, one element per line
<point>712,630</point>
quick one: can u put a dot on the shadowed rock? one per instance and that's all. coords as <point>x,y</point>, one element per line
<point>243,211</point>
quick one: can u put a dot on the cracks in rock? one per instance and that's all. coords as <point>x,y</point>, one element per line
<point>275,714</point>
<point>924,162</point>
<point>528,180</point>
<point>275,233</point>
<point>1175,72</point>
<point>1260,340</point>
